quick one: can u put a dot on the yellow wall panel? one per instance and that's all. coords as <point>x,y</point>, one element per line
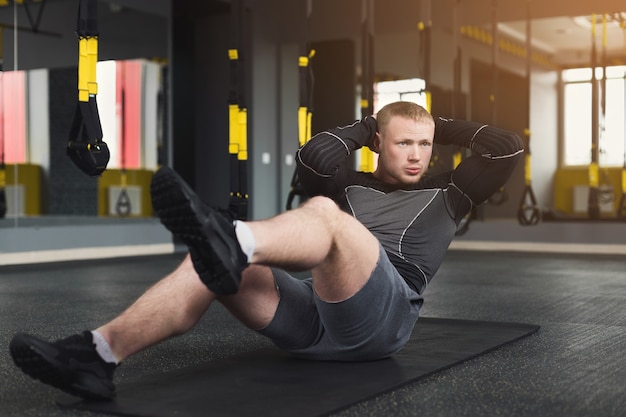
<point>565,179</point>
<point>28,175</point>
<point>134,177</point>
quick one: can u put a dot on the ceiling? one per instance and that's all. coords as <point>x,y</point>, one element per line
<point>567,40</point>
<point>560,29</point>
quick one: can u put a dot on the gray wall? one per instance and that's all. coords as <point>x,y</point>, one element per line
<point>124,33</point>
<point>265,115</point>
<point>277,28</point>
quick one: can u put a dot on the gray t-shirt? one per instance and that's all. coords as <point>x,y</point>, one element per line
<point>415,226</point>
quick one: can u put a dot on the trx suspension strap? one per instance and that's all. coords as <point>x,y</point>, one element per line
<point>494,62</point>
<point>3,177</point>
<point>621,208</point>
<point>424,26</point>
<point>593,208</point>
<point>367,77</point>
<point>305,108</point>
<point>123,205</point>
<point>85,146</point>
<point>605,194</point>
<point>528,212</point>
<point>500,196</point>
<point>456,69</point>
<point>457,156</point>
<point>238,118</point>
<point>456,88</point>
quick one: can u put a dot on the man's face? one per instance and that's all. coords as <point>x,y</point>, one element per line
<point>404,148</point>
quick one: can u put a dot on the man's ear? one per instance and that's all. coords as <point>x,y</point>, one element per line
<point>375,147</point>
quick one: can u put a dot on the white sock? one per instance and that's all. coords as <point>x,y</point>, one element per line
<point>245,238</point>
<point>103,348</point>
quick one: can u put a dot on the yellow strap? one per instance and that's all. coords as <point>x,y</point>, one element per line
<point>594,175</point>
<point>423,25</point>
<point>365,103</point>
<point>303,125</point>
<point>624,181</point>
<point>3,178</point>
<point>124,179</point>
<point>456,159</point>
<point>367,160</point>
<point>238,123</point>
<point>429,101</point>
<point>309,119</point>
<point>87,60</point>
<point>593,25</point>
<point>527,166</point>
<point>238,132</point>
<point>243,135</point>
<point>304,115</point>
<point>233,129</point>
<point>527,170</point>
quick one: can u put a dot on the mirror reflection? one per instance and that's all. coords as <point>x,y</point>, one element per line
<point>39,184</point>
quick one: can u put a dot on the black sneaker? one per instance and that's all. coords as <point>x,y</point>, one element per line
<point>208,232</point>
<point>72,364</point>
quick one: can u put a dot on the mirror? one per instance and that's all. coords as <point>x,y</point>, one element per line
<point>38,98</point>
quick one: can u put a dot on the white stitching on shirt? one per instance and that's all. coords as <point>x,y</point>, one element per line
<point>311,168</point>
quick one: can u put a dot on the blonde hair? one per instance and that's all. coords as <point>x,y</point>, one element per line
<point>405,109</point>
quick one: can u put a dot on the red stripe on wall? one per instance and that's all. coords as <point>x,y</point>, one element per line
<point>13,109</point>
<point>129,102</point>
<point>2,145</point>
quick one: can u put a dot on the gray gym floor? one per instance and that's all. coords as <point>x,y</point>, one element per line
<point>574,365</point>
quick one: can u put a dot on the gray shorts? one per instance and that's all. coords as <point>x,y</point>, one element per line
<point>373,324</point>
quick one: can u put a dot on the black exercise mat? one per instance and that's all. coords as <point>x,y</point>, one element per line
<point>268,383</point>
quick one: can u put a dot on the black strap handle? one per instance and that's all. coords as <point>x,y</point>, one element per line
<point>85,146</point>
<point>528,213</point>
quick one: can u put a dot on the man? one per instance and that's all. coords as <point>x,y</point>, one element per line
<point>372,242</point>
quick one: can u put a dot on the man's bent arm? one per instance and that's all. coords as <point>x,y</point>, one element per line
<point>328,153</point>
<point>496,152</point>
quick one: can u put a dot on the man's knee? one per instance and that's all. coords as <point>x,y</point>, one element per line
<point>321,203</point>
<point>340,224</point>
<point>325,209</point>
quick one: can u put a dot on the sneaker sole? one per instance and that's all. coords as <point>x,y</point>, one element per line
<point>184,214</point>
<point>36,358</point>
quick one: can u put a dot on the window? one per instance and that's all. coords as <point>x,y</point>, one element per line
<point>577,116</point>
<point>402,90</point>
